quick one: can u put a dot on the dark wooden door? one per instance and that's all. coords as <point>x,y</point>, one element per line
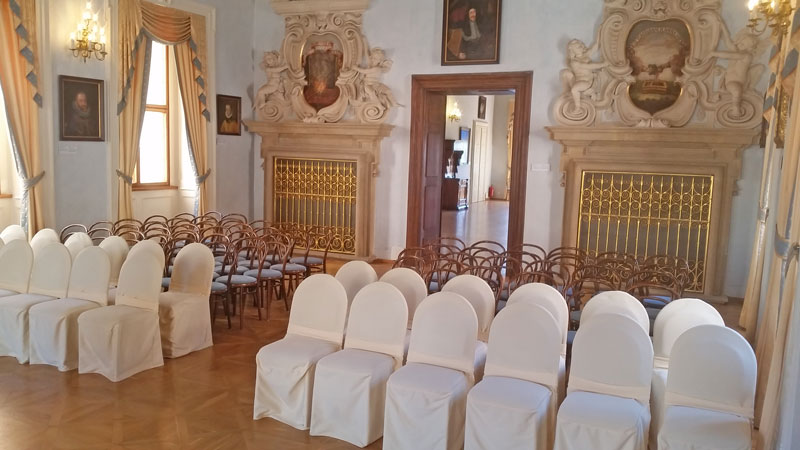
<point>435,111</point>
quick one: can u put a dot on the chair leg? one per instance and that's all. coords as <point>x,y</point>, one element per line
<point>212,300</point>
<point>241,308</point>
<point>226,308</point>
<point>268,301</point>
<point>257,297</point>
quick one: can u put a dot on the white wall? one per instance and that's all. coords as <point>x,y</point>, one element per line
<point>500,145</point>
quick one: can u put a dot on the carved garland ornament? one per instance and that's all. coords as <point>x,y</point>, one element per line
<point>324,70</point>
<point>659,66</point>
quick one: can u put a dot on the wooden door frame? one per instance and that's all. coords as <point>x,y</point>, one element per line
<point>422,86</point>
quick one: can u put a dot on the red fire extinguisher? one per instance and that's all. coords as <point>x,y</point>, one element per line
<point>491,191</point>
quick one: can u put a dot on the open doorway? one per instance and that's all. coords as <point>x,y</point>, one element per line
<point>428,165</point>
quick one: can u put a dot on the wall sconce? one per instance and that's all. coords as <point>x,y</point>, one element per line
<point>455,113</point>
<point>90,39</point>
<point>775,14</point>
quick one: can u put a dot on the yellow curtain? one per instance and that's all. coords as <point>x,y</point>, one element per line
<point>19,78</point>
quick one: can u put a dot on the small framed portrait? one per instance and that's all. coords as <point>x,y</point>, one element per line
<point>471,32</point>
<point>229,115</point>
<point>482,107</point>
<point>81,106</point>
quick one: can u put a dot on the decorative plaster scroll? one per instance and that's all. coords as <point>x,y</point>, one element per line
<point>292,92</point>
<point>663,63</point>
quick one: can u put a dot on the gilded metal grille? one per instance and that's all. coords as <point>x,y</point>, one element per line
<point>646,214</point>
<point>312,192</point>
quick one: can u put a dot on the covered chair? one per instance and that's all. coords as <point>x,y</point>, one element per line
<point>124,339</point>
<point>355,275</point>
<point>710,391</point>
<point>44,237</point>
<point>350,385</point>
<point>616,302</point>
<point>49,281</point>
<point>426,399</point>
<point>117,250</point>
<point>285,368</point>
<point>16,262</point>
<point>607,404</point>
<point>77,242</point>
<point>411,284</point>
<point>677,317</point>
<point>481,297</point>
<point>13,232</point>
<point>54,325</point>
<point>183,311</point>
<point>514,406</point>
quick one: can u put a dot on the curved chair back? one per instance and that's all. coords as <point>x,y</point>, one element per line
<point>674,320</point>
<point>377,321</point>
<point>13,232</point>
<point>411,284</point>
<point>193,270</point>
<point>42,238</point>
<point>117,250</point>
<point>16,262</point>
<point>612,355</point>
<point>355,275</point>
<point>444,332</point>
<point>51,269</point>
<point>90,274</point>
<point>77,242</point>
<point>319,309</point>
<point>148,246</point>
<point>616,302</point>
<point>479,295</point>
<point>712,367</point>
<point>548,298</point>
<point>524,343</point>
<point>140,280</point>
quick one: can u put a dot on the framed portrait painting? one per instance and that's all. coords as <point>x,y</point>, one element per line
<point>481,107</point>
<point>81,109</point>
<point>471,32</point>
<point>229,115</point>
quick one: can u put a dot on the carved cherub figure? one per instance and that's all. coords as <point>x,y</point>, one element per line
<point>740,72</point>
<point>374,89</point>
<point>273,65</point>
<point>581,76</point>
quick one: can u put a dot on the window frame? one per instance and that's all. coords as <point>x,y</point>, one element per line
<point>164,109</point>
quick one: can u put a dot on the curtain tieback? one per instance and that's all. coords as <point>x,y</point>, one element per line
<point>202,178</point>
<point>31,182</point>
<point>125,177</point>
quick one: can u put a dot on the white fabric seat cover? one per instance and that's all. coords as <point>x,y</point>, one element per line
<point>426,399</point>
<point>285,368</point>
<point>54,332</point>
<point>701,429</point>
<point>412,286</point>
<point>350,386</point>
<point>16,263</point>
<point>587,420</point>
<point>616,302</point>
<point>124,339</point>
<point>355,275</point>
<point>184,310</point>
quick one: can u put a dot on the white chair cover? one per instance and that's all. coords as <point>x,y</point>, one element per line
<point>49,281</point>
<point>350,385</point>
<point>677,317</point>
<point>515,405</point>
<point>16,263</point>
<point>54,325</point>
<point>42,238</point>
<point>285,368</point>
<point>184,310</point>
<point>609,387</point>
<point>426,399</point>
<point>355,275</point>
<point>616,302</point>
<point>149,246</point>
<point>712,368</point>
<point>77,242</point>
<point>124,339</point>
<point>411,285</point>
<point>13,232</point>
<point>117,250</point>
<point>479,295</point>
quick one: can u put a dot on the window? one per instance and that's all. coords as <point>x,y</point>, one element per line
<point>152,170</point>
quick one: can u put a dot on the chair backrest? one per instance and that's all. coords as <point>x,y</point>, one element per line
<point>355,275</point>
<point>612,355</point>
<point>16,262</point>
<point>150,247</point>
<point>77,242</point>
<point>117,250</point>
<point>13,232</point>
<point>377,321</point>
<point>193,270</point>
<point>675,319</point>
<point>91,271</point>
<point>712,367</point>
<point>479,295</point>
<point>548,298</point>
<point>616,302</point>
<point>319,309</point>
<point>444,332</point>
<point>51,269</point>
<point>140,280</point>
<point>524,343</point>
<point>42,238</point>
<point>411,284</point>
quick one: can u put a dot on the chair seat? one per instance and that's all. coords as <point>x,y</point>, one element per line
<point>240,269</point>
<point>311,260</point>
<point>575,316</point>
<point>237,280</point>
<point>699,429</point>
<point>597,421</point>
<point>218,288</point>
<point>266,274</point>
<point>290,268</point>
<point>656,301</point>
<point>6,292</point>
<point>165,282</point>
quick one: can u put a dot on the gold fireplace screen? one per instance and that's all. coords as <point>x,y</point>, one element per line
<point>647,214</point>
<point>317,192</point>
